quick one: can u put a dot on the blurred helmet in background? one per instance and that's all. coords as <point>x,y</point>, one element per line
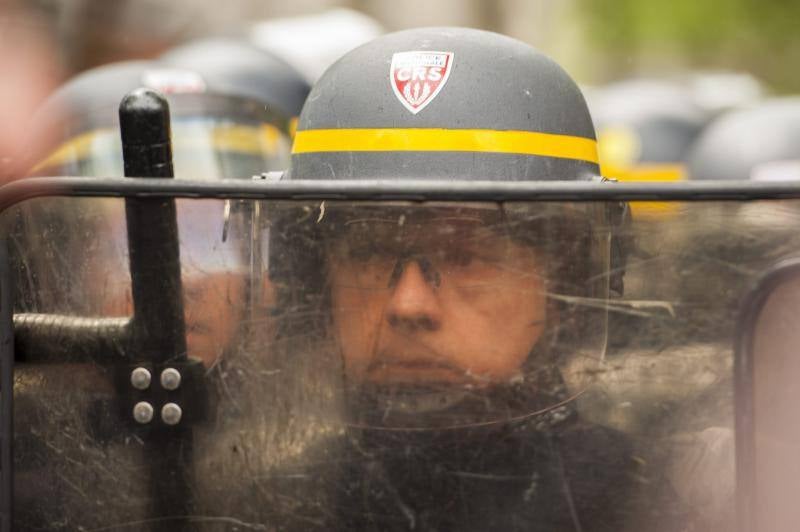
<point>756,143</point>
<point>230,118</point>
<point>314,42</point>
<point>237,68</point>
<point>645,128</point>
<point>719,91</point>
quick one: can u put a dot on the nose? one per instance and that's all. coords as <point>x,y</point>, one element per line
<point>414,303</point>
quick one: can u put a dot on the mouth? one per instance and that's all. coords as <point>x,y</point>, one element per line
<point>414,370</point>
<point>412,399</point>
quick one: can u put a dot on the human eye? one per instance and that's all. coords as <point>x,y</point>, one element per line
<point>361,251</point>
<point>458,257</point>
<point>494,254</point>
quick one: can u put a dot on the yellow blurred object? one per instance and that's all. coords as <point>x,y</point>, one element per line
<point>618,146</point>
<point>619,150</point>
<point>74,149</point>
<point>263,139</point>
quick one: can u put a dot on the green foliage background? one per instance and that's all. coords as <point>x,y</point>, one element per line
<point>760,36</point>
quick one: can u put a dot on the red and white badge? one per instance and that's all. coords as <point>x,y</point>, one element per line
<point>418,77</point>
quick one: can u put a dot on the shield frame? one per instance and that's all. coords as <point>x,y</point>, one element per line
<point>744,387</point>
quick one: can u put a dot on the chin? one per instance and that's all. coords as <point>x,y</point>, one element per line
<point>434,405</point>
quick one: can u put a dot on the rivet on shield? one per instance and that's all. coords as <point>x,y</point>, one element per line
<point>140,378</point>
<point>143,412</point>
<point>171,414</point>
<point>170,379</point>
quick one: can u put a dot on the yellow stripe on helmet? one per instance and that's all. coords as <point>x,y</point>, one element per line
<point>74,149</point>
<point>443,140</point>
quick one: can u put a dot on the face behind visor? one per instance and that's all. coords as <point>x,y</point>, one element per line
<point>439,104</point>
<point>214,137</point>
<point>431,305</point>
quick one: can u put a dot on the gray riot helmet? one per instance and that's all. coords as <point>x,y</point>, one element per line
<point>759,143</point>
<point>449,103</point>
<point>232,66</point>
<point>645,122</point>
<point>720,91</point>
<point>445,103</point>
<point>230,118</point>
<point>312,43</point>
<point>645,128</point>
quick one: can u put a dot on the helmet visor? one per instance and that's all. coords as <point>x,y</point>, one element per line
<point>213,137</point>
<point>517,286</point>
<point>204,149</point>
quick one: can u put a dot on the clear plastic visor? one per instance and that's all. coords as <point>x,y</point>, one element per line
<point>220,139</point>
<point>515,287</point>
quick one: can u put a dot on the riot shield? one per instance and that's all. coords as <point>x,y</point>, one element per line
<point>767,434</point>
<point>405,358</point>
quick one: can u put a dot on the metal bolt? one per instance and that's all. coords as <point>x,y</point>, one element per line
<point>143,412</point>
<point>171,414</point>
<point>170,379</point>
<point>140,378</point>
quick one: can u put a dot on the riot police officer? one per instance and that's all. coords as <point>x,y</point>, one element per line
<point>231,119</point>
<point>451,321</point>
<point>233,109</point>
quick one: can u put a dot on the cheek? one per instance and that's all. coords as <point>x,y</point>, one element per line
<point>499,333</point>
<point>213,307</point>
<point>357,317</point>
<point>116,302</point>
<point>525,327</point>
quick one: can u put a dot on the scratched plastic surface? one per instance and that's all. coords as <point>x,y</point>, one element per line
<point>391,366</point>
